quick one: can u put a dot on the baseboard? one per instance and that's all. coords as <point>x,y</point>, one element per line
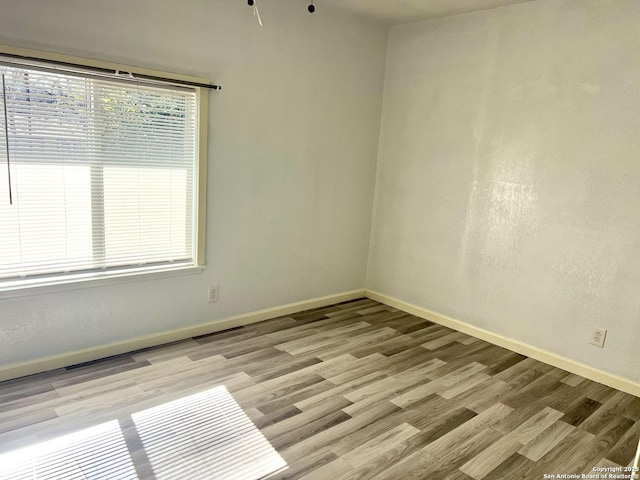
<point>87,355</point>
<point>600,376</point>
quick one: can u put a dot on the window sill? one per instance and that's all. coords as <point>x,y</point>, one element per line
<point>91,280</point>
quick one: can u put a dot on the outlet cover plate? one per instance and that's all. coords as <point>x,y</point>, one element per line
<point>598,336</point>
<point>214,292</point>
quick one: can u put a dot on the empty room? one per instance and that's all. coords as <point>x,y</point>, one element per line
<point>319,239</point>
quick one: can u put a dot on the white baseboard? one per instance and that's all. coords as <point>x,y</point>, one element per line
<point>610,379</point>
<point>95,353</point>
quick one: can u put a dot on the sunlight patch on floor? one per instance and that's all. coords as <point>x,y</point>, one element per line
<point>96,452</point>
<point>202,436</point>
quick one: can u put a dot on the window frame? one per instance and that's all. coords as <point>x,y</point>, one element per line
<point>200,194</point>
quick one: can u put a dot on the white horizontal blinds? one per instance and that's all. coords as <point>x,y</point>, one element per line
<point>102,175</point>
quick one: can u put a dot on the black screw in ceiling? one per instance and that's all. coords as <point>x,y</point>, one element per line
<point>250,2</point>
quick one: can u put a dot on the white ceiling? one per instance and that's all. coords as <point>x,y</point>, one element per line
<point>393,12</point>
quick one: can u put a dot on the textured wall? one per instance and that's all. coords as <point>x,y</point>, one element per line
<point>508,179</point>
<point>292,139</point>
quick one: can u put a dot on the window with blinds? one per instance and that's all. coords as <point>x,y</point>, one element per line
<point>101,173</point>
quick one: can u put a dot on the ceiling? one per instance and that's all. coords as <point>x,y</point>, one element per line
<point>392,12</point>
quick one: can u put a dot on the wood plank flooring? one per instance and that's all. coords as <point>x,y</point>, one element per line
<point>357,390</point>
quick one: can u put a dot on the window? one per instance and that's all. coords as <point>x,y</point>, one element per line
<point>103,174</point>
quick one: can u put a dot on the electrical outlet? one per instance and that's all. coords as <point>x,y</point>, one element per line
<point>597,336</point>
<point>214,291</point>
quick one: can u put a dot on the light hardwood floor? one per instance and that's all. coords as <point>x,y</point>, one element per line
<point>357,390</point>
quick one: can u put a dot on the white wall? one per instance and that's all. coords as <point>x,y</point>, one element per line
<point>508,192</point>
<point>292,138</point>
